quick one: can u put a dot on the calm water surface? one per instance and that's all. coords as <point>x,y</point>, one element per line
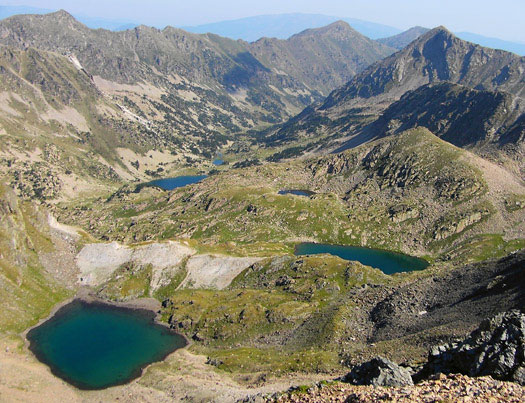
<point>297,192</point>
<point>94,346</point>
<point>388,262</point>
<point>176,182</point>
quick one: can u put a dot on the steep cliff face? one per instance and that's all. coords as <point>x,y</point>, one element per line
<point>436,56</point>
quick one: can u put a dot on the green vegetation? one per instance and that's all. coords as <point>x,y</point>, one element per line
<point>283,314</point>
<point>27,292</point>
<point>384,199</point>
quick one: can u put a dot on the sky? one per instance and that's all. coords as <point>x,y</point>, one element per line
<point>502,18</point>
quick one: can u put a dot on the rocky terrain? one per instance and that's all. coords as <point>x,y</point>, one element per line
<point>445,388</point>
<point>412,192</point>
<point>323,58</point>
<point>494,349</point>
<point>420,152</point>
<point>381,100</point>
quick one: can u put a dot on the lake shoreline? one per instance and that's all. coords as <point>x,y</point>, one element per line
<point>145,306</point>
<point>400,262</point>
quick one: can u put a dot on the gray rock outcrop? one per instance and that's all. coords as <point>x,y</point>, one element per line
<point>379,372</point>
<point>496,348</point>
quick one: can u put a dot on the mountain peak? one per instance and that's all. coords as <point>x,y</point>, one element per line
<point>62,14</point>
<point>437,31</point>
<point>339,24</point>
<point>337,28</point>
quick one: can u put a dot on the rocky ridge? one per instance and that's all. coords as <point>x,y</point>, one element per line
<point>403,90</point>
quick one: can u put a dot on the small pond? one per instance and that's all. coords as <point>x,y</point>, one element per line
<point>388,262</point>
<point>95,345</point>
<point>296,192</point>
<point>218,162</point>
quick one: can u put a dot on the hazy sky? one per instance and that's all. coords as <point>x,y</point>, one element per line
<point>498,18</point>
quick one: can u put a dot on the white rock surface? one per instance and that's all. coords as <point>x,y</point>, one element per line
<point>97,262</point>
<point>211,271</point>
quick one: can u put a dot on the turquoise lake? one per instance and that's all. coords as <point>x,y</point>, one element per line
<point>387,262</point>
<point>177,181</point>
<point>95,346</point>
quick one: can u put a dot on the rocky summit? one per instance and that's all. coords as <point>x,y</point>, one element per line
<point>344,221</point>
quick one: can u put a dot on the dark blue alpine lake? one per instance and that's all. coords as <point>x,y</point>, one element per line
<point>387,262</point>
<point>95,345</point>
<point>176,182</point>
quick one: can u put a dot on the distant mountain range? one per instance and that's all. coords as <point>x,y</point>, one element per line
<point>283,26</point>
<point>401,40</point>
<point>495,43</point>
<point>91,22</point>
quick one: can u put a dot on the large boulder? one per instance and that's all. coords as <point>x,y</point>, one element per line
<point>379,372</point>
<point>496,348</point>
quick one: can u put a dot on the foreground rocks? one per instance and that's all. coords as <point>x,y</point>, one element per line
<point>379,372</point>
<point>452,388</point>
<point>496,348</point>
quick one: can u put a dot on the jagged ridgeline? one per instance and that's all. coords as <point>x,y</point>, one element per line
<point>480,86</point>
<point>103,99</point>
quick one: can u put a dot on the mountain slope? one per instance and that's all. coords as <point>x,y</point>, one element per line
<point>27,291</point>
<point>178,96</point>
<point>455,113</point>
<point>401,40</point>
<point>436,56</point>
<point>347,116</point>
<point>92,22</point>
<point>323,58</point>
